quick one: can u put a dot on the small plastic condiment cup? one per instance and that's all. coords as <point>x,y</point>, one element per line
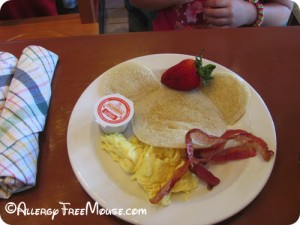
<point>113,113</point>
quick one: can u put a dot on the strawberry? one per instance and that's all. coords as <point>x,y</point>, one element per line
<point>188,74</point>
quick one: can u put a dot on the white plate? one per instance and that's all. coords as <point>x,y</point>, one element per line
<point>107,184</point>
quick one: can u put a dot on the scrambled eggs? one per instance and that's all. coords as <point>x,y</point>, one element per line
<point>151,166</point>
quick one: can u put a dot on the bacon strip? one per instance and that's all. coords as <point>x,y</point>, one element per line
<point>204,139</point>
<point>215,151</point>
<point>170,184</point>
<point>205,175</point>
<point>216,143</point>
<point>207,153</point>
<point>211,142</point>
<point>256,142</point>
<point>234,153</point>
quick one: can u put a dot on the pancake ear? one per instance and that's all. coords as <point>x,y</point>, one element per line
<point>130,79</point>
<point>230,94</point>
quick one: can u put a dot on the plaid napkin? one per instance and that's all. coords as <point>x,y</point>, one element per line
<point>23,117</point>
<point>8,64</point>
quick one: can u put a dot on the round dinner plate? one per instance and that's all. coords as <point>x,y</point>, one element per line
<point>112,188</point>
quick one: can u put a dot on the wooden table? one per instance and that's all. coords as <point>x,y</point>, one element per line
<point>268,58</point>
<point>85,22</point>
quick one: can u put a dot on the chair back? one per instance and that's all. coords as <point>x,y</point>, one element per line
<point>76,24</point>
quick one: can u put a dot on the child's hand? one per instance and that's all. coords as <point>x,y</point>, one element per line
<point>229,13</point>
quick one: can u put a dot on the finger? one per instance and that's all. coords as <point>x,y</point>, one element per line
<point>217,12</point>
<point>222,21</point>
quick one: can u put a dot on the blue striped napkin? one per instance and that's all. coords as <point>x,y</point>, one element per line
<point>23,117</point>
<point>8,63</point>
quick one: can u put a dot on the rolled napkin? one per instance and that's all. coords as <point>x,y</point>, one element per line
<point>8,64</point>
<point>23,117</point>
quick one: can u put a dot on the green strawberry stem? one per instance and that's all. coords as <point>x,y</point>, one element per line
<point>205,72</point>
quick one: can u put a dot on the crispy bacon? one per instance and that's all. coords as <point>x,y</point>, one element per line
<point>207,153</point>
<point>211,142</point>
<point>214,150</point>
<point>202,138</point>
<point>257,143</point>
<point>205,175</point>
<point>243,151</point>
<point>217,144</point>
<point>170,183</point>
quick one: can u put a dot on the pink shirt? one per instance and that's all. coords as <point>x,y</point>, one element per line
<point>17,9</point>
<point>187,16</point>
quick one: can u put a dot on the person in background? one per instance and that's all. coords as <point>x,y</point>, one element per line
<point>196,14</point>
<point>18,9</point>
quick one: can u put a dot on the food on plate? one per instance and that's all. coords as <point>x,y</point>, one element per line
<point>178,134</point>
<point>230,95</point>
<point>188,74</point>
<point>145,164</point>
<point>113,113</point>
<point>164,117</point>
<point>218,151</point>
<point>163,171</point>
<point>130,79</point>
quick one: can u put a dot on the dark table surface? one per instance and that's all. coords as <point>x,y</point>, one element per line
<point>267,58</point>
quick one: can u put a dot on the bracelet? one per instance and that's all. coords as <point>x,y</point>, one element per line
<point>260,12</point>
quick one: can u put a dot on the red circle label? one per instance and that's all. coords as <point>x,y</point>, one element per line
<point>113,110</point>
